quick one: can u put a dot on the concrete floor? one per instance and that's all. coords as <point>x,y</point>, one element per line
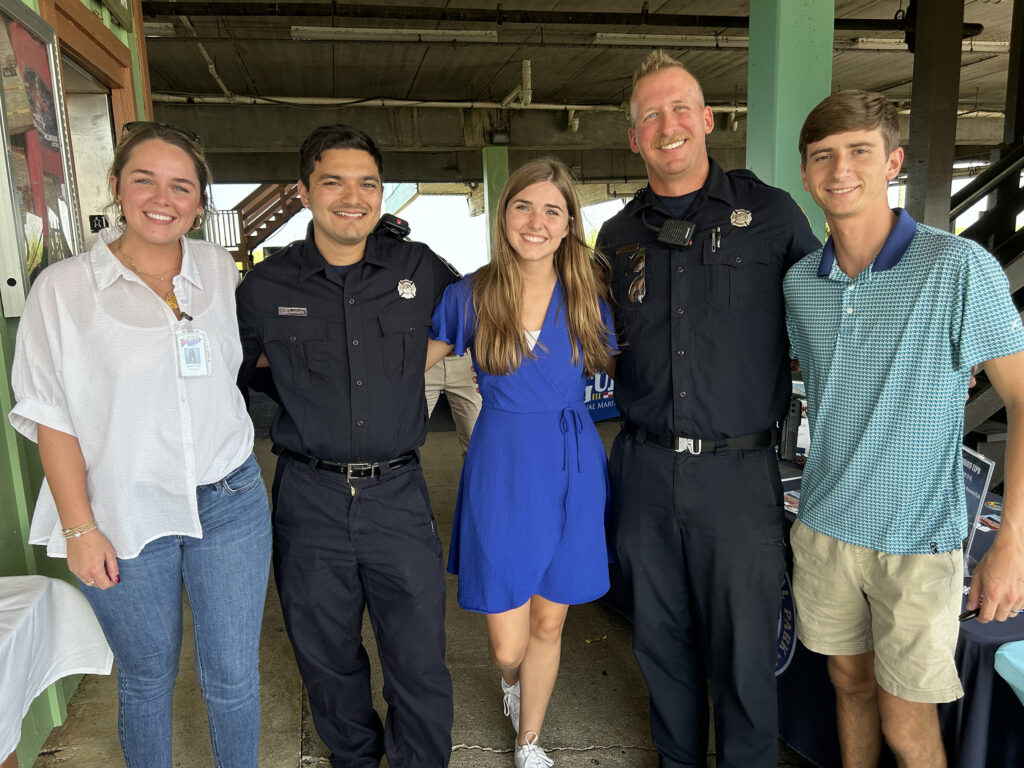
<point>598,714</point>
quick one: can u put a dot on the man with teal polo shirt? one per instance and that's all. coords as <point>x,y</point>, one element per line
<point>887,320</point>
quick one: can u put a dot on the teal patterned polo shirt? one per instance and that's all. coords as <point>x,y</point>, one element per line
<point>886,358</point>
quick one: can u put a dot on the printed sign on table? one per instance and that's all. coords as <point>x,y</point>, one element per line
<point>977,476</point>
<point>600,397</point>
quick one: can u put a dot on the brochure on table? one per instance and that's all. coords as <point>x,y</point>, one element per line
<point>977,476</point>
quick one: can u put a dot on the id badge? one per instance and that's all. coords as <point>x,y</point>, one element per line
<point>193,353</point>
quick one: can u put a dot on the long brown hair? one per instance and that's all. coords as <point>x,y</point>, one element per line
<point>500,345</point>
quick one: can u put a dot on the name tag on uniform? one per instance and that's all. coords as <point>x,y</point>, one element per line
<point>193,353</point>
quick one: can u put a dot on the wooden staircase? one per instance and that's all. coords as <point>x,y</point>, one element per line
<point>253,220</point>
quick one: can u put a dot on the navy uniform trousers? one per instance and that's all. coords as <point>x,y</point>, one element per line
<point>335,553</point>
<point>700,541</point>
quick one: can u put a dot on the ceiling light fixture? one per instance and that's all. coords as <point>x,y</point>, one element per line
<point>838,44</point>
<point>671,41</point>
<point>376,35</point>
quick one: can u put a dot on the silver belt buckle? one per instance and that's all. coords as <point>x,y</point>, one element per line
<point>687,444</point>
<point>358,467</point>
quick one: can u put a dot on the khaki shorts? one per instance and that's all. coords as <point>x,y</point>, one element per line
<point>851,600</point>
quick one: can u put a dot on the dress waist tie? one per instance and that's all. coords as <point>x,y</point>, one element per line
<point>571,426</point>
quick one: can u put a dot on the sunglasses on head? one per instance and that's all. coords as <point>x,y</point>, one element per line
<point>137,124</point>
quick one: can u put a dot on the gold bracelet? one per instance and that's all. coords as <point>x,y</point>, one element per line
<point>78,530</point>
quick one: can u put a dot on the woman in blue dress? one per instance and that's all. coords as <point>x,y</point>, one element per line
<point>528,539</point>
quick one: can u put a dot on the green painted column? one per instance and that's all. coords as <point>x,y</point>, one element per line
<point>495,175</point>
<point>789,72</point>
<point>17,481</point>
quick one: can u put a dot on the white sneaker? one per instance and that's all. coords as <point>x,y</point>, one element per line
<point>530,755</point>
<point>510,699</point>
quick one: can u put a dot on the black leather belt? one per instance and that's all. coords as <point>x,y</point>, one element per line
<point>697,445</point>
<point>351,470</point>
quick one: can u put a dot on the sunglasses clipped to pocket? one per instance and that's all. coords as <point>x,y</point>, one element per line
<point>638,286</point>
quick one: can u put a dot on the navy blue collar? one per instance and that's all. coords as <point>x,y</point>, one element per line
<point>716,185</point>
<point>312,261</point>
<point>895,246</point>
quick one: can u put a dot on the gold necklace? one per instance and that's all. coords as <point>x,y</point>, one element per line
<point>169,298</point>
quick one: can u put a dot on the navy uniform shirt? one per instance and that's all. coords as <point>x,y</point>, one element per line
<point>346,354</point>
<point>705,353</point>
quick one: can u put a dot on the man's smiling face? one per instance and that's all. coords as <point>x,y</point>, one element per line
<point>848,173</point>
<point>344,195</point>
<point>669,123</point>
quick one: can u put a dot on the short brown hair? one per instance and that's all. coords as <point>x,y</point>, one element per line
<point>656,61</point>
<point>851,111</point>
<point>336,136</point>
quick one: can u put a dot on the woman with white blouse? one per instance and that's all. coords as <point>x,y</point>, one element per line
<point>124,374</point>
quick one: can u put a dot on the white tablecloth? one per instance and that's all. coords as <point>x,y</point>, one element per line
<point>47,631</point>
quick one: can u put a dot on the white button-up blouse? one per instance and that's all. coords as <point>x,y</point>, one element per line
<point>96,358</point>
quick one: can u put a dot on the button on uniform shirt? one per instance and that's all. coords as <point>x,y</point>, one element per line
<point>887,359</point>
<point>97,358</point>
<point>705,354</point>
<point>346,353</point>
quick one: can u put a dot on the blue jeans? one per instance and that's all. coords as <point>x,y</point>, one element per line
<point>225,576</point>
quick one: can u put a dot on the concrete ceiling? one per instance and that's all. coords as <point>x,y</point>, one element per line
<point>232,72</point>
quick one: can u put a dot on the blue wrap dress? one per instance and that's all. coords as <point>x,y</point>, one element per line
<point>530,514</point>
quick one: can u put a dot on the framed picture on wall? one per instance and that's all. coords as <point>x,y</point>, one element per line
<point>38,212</point>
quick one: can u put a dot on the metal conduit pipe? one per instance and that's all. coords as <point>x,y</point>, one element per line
<point>158,35</point>
<point>522,94</point>
<point>330,101</point>
<point>497,15</point>
<point>527,83</point>
<point>206,56</point>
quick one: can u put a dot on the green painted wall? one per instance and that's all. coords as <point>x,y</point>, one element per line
<point>495,162</point>
<point>21,475</point>
<point>789,72</point>
<point>17,490</point>
<point>48,710</point>
<point>126,37</point>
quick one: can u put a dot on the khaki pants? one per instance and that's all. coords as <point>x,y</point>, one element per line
<point>455,376</point>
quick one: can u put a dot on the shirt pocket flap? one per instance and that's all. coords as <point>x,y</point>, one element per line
<point>738,250</point>
<point>398,322</point>
<point>297,350</point>
<point>743,272</point>
<point>294,330</point>
<point>403,341</point>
